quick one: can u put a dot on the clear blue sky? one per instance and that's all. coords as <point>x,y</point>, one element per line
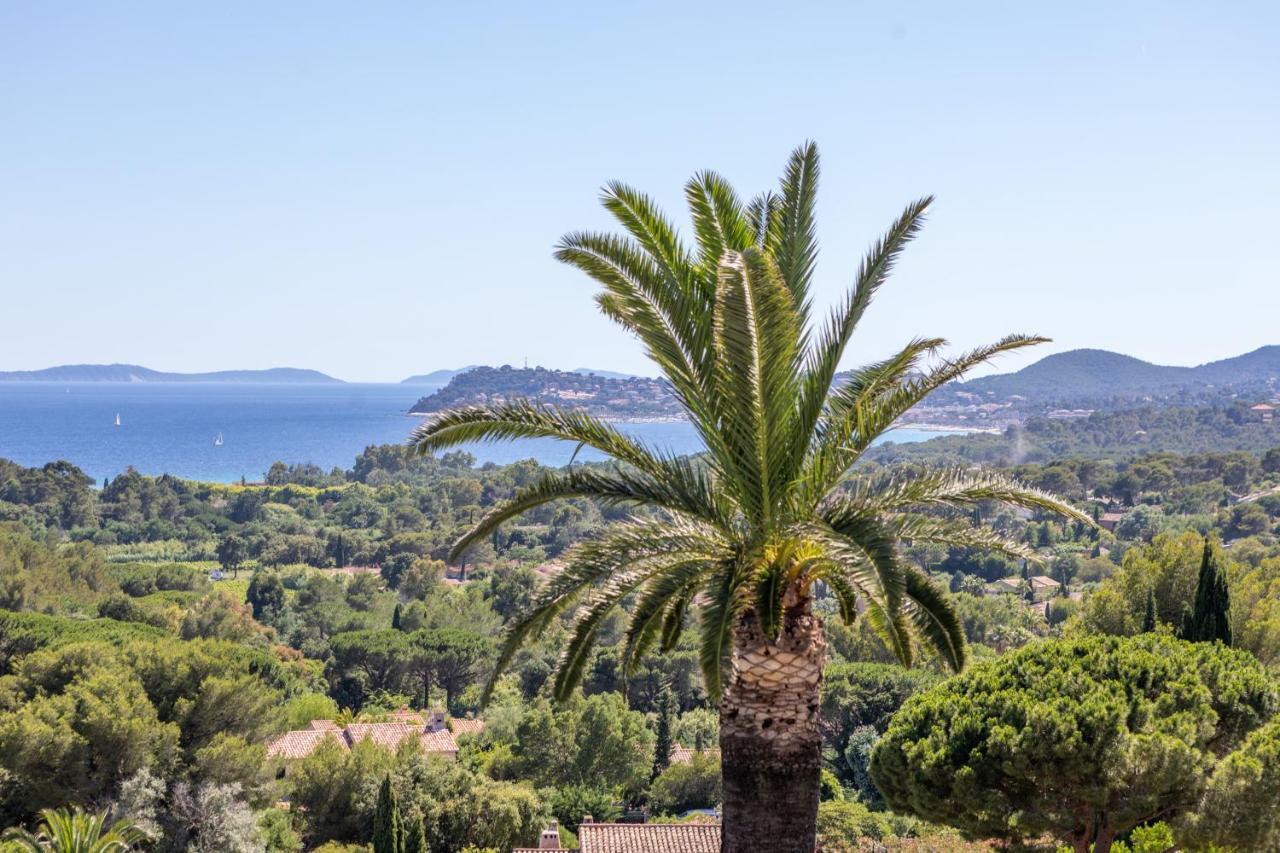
<point>374,190</point>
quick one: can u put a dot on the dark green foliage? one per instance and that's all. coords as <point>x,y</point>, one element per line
<point>232,552</point>
<point>857,758</point>
<point>571,803</point>
<point>1241,808</point>
<point>1081,740</point>
<point>415,839</point>
<point>449,658</point>
<point>1149,618</point>
<point>691,785</point>
<point>265,595</point>
<point>829,787</point>
<point>664,741</point>
<point>863,696</point>
<point>395,617</point>
<point>388,831</point>
<point>1210,618</point>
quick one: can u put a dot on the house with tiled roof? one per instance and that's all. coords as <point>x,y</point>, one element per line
<point>681,754</point>
<point>428,731</point>
<point>635,838</point>
<point>465,726</point>
<point>1110,519</point>
<point>1010,586</point>
<point>1043,587</point>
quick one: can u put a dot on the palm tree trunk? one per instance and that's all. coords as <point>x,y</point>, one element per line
<point>771,749</point>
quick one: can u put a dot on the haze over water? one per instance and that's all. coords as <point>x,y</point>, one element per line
<point>170,427</point>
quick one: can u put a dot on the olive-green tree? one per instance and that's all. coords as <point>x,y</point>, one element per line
<point>1081,739</point>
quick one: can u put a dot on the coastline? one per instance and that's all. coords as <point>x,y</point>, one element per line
<point>941,429</point>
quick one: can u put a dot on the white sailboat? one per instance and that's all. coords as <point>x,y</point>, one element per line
<point>217,440</point>
<point>117,419</point>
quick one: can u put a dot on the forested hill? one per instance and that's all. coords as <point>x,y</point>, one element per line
<point>436,377</point>
<point>1089,373</point>
<point>605,396</point>
<point>136,373</point>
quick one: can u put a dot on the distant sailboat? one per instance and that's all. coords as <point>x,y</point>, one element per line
<point>117,419</point>
<point>217,440</point>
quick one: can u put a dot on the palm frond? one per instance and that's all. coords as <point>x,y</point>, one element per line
<point>756,333</point>
<point>795,247</point>
<point>762,216</point>
<point>934,618</point>
<point>651,546</point>
<point>826,446</point>
<point>651,306</point>
<point>853,424</point>
<point>824,357</point>
<point>662,595</point>
<point>523,419</point>
<point>682,489</point>
<point>949,532</point>
<point>954,488</point>
<point>719,219</point>
<point>724,606</point>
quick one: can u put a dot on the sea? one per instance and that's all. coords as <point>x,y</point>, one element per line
<point>171,427</point>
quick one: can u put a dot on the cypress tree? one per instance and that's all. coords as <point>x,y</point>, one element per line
<point>388,834</point>
<point>666,722</point>
<point>415,840</point>
<point>1149,618</point>
<point>1210,617</point>
<point>395,617</point>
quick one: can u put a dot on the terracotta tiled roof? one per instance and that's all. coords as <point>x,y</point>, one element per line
<point>404,715</point>
<point>649,838</point>
<point>681,754</point>
<point>389,736</point>
<point>291,745</point>
<point>439,741</point>
<point>1038,581</point>
<point>386,735</point>
<point>466,727</point>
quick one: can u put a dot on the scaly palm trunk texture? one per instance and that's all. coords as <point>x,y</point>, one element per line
<point>771,749</point>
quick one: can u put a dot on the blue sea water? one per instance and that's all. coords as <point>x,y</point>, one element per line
<point>170,427</point>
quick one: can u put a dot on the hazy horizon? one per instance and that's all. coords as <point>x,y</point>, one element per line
<point>593,367</point>
<point>377,194</point>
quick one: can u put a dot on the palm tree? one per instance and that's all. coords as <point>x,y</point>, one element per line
<point>770,515</point>
<point>76,831</point>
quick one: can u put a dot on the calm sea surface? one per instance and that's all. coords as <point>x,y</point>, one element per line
<point>170,428</point>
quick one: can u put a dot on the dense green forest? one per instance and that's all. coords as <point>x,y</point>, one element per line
<point>1105,434</point>
<point>157,634</point>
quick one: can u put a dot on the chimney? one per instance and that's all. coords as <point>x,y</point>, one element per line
<point>586,818</point>
<point>550,838</point>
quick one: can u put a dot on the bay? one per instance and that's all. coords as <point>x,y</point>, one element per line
<point>170,427</point>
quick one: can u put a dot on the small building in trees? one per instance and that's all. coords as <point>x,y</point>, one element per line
<point>1265,412</point>
<point>427,729</point>
<point>1008,586</point>
<point>699,837</point>
<point>1108,520</point>
<point>1043,587</point>
<point>681,754</point>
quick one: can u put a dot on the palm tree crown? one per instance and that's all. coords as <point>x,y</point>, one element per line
<point>772,507</point>
<point>76,831</point>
